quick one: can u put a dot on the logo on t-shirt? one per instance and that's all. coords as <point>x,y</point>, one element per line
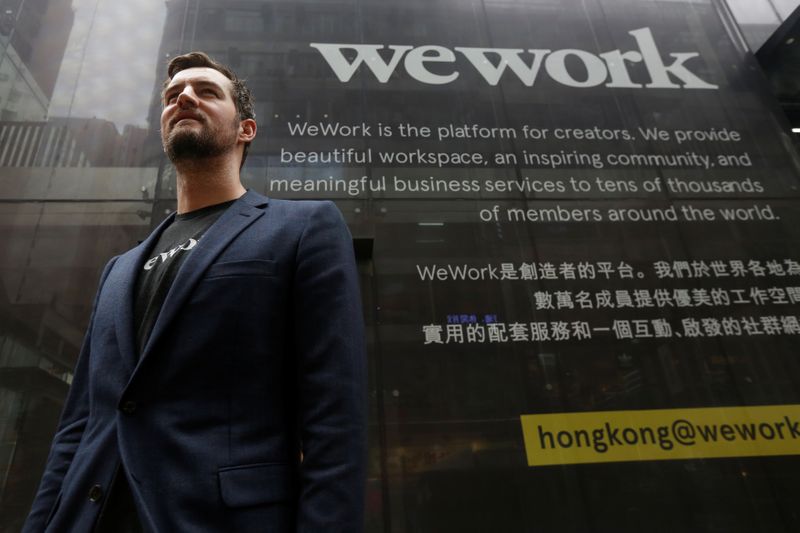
<point>166,256</point>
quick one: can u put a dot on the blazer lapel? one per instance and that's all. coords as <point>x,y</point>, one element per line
<point>127,267</point>
<point>233,221</point>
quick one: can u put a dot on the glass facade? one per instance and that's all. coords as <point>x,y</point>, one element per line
<point>759,19</point>
<point>568,207</point>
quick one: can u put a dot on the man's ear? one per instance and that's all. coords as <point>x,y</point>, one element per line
<point>247,130</point>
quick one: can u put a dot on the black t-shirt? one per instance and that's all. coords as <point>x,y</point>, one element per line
<point>152,285</point>
<point>164,260</point>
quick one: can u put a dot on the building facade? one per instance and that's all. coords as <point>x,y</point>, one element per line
<point>576,223</point>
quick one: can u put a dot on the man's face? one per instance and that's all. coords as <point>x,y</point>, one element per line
<point>199,119</point>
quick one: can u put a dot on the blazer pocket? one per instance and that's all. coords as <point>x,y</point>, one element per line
<point>247,485</point>
<point>251,267</point>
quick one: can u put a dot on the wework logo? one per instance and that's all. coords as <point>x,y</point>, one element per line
<point>165,256</point>
<point>609,69</point>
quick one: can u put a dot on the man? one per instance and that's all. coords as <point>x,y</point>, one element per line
<point>220,386</point>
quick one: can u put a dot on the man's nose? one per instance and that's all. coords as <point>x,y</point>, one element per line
<point>187,98</point>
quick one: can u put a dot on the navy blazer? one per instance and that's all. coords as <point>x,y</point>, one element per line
<point>256,356</point>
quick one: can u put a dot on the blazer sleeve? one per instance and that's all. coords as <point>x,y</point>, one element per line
<point>69,432</point>
<point>331,374</point>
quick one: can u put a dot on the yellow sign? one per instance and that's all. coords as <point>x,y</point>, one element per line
<point>653,435</point>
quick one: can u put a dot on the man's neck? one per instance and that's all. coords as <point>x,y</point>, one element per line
<point>207,182</point>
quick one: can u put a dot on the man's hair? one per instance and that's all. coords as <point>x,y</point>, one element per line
<point>241,94</point>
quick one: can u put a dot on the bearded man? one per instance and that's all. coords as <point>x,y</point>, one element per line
<point>221,382</point>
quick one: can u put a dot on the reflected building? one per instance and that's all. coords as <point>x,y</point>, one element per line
<point>38,30</point>
<point>34,35</point>
<point>70,142</point>
<point>33,381</point>
<point>20,94</point>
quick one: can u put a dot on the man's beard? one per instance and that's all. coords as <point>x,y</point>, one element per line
<point>184,144</point>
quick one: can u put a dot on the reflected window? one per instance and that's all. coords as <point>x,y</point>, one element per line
<point>243,21</point>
